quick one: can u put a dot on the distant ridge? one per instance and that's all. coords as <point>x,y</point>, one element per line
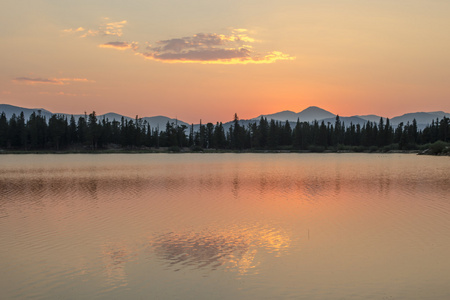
<point>307,115</point>
<point>9,110</point>
<point>314,113</point>
<point>310,114</point>
<point>421,117</point>
<point>371,118</point>
<point>157,121</point>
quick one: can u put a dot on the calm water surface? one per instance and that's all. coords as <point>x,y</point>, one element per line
<point>224,226</point>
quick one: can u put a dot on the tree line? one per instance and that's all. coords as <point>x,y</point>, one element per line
<point>60,132</point>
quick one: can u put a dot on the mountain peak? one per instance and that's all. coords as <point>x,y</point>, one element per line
<point>314,109</point>
<point>314,113</point>
<point>307,115</point>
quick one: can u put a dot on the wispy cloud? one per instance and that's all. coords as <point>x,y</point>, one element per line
<point>120,45</point>
<point>68,94</point>
<point>105,29</point>
<point>113,28</point>
<point>72,30</point>
<point>63,94</point>
<point>32,81</point>
<point>56,81</point>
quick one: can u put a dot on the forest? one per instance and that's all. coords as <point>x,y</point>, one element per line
<point>89,133</point>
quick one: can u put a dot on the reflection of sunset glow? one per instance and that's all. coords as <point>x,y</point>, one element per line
<point>115,259</point>
<point>235,248</point>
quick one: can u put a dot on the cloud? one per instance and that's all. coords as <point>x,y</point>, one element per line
<point>71,30</point>
<point>105,29</point>
<point>204,48</point>
<point>218,56</point>
<point>67,94</point>
<point>212,48</point>
<point>63,94</point>
<point>113,28</point>
<point>202,55</point>
<point>120,45</point>
<point>201,40</point>
<point>56,81</point>
<point>33,81</point>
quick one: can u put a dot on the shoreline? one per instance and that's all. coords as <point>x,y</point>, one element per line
<point>208,151</point>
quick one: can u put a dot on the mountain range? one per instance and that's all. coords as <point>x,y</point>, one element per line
<point>309,114</point>
<point>313,113</point>
<point>155,121</point>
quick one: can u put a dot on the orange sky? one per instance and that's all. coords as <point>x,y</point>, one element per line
<point>207,60</point>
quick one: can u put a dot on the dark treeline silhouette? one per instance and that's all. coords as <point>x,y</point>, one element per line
<point>88,132</point>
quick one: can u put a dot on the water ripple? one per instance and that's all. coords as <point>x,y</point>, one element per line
<point>249,226</point>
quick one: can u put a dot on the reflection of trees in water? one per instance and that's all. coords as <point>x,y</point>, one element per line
<point>34,186</point>
<point>236,186</point>
<point>234,249</point>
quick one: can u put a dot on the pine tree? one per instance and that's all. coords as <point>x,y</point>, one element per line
<point>3,130</point>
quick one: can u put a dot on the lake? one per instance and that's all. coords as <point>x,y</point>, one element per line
<point>224,226</point>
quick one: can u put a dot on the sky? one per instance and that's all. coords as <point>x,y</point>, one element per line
<point>206,59</point>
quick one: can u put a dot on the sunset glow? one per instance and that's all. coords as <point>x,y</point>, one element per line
<point>209,60</point>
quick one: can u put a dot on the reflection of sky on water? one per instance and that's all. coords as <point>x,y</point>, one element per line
<point>234,249</point>
<point>108,227</point>
<point>115,257</point>
<point>36,182</point>
<point>238,249</point>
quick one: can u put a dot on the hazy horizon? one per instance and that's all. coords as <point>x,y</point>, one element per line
<point>230,119</point>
